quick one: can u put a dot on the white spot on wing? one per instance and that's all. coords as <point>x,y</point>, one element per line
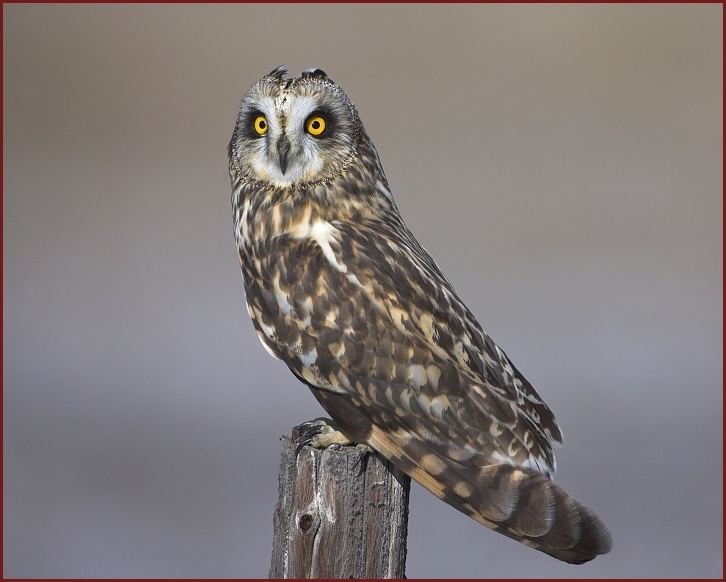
<point>417,375</point>
<point>531,462</point>
<point>243,221</point>
<point>539,464</point>
<point>309,358</point>
<point>505,363</point>
<point>501,459</point>
<point>323,233</point>
<point>282,299</point>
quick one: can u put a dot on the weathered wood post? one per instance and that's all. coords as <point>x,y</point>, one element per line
<point>341,513</point>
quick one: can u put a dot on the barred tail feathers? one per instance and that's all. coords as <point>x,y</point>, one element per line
<point>520,503</point>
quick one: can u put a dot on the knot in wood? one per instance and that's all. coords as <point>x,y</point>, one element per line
<point>306,521</point>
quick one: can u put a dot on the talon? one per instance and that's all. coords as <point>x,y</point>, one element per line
<point>319,433</point>
<point>307,431</point>
<point>302,445</point>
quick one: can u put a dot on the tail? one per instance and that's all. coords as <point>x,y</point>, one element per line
<point>518,502</point>
<point>539,513</point>
<point>527,506</point>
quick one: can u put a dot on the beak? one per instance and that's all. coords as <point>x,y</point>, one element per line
<point>283,148</point>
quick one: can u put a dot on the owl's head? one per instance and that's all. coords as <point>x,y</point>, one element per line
<point>294,131</point>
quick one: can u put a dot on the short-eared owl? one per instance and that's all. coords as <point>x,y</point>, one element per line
<point>340,290</point>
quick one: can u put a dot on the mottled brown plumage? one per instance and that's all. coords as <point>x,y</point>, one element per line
<point>339,289</point>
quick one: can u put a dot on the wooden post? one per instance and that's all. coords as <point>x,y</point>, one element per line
<point>341,513</point>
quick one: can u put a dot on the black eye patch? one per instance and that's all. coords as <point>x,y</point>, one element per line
<point>329,121</point>
<point>251,126</point>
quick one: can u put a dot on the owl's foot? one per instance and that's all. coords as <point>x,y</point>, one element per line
<point>321,433</point>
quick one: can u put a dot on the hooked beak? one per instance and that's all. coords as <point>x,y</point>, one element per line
<point>283,148</point>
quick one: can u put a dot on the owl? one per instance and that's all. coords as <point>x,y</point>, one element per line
<point>340,290</point>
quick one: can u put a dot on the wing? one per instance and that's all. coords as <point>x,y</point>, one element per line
<point>368,310</point>
<point>363,315</point>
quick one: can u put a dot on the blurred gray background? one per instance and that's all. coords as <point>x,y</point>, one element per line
<point>563,165</point>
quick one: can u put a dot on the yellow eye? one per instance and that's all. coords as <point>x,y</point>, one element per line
<point>315,125</point>
<point>260,125</point>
